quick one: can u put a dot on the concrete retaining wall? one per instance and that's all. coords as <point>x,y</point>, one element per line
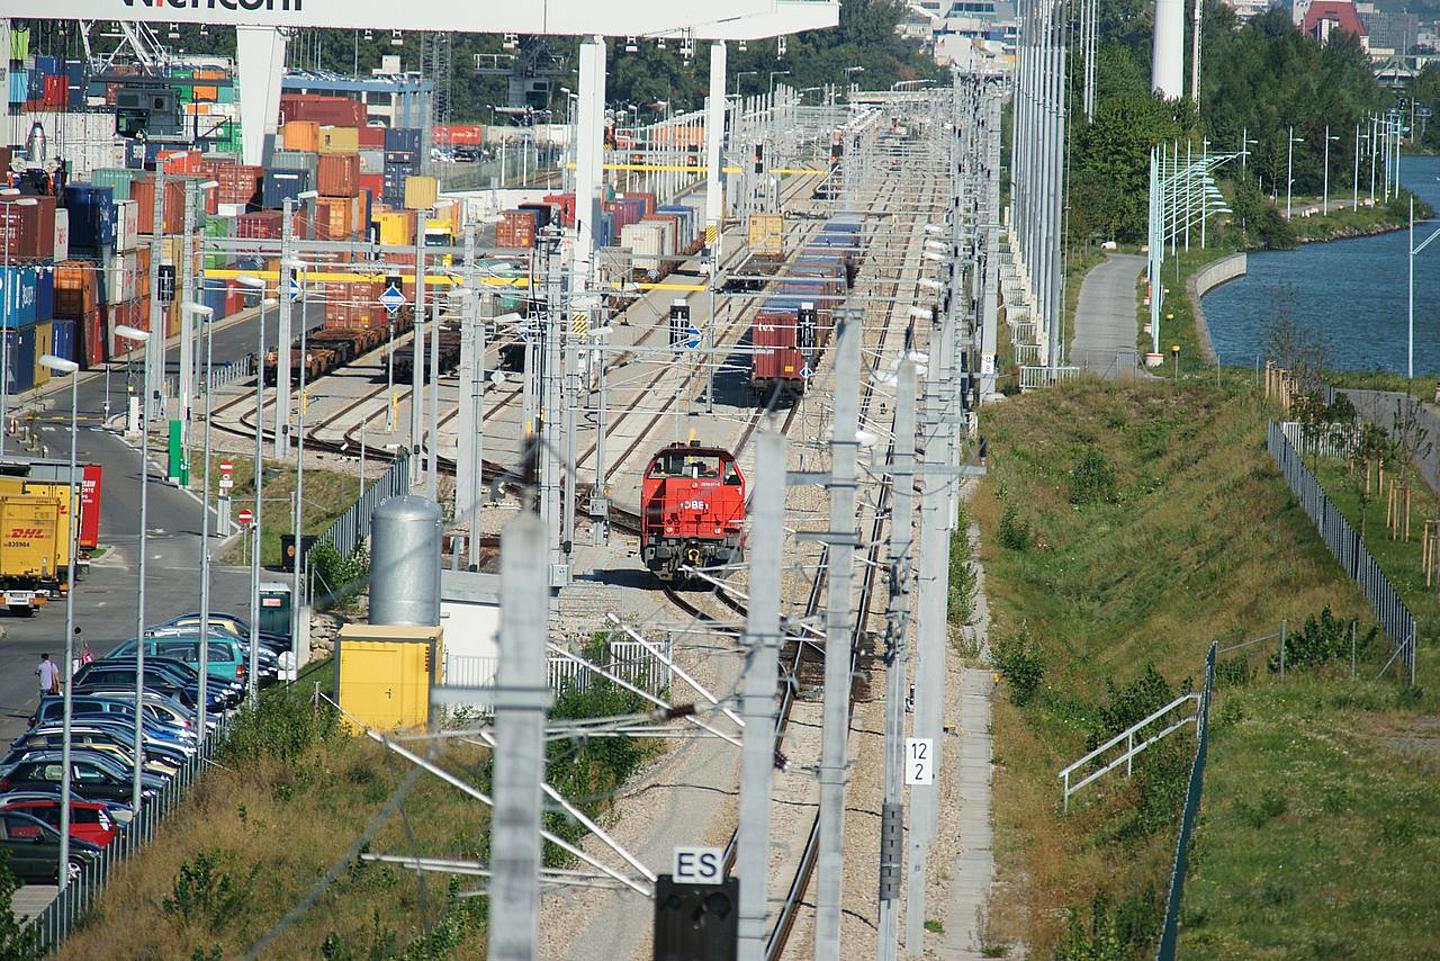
<point>1203,281</point>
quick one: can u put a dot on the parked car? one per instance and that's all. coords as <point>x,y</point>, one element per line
<point>108,673</point>
<point>185,675</point>
<point>239,626</point>
<point>123,753</point>
<point>89,820</point>
<point>52,708</point>
<point>117,731</point>
<point>226,662</point>
<point>34,848</point>
<point>119,811</point>
<point>91,776</point>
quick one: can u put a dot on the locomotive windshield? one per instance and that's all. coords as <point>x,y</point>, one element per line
<point>683,464</point>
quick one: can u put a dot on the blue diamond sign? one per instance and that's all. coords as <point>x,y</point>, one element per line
<point>692,338</point>
<point>392,299</point>
<point>806,373</point>
<point>294,288</point>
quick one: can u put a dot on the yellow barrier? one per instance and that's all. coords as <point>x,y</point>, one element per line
<point>691,169</point>
<point>430,279</point>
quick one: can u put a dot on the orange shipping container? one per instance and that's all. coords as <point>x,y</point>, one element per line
<point>338,174</point>
<point>301,135</point>
<point>142,191</point>
<point>334,218</point>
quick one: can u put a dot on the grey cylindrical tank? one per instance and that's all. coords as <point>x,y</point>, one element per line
<point>405,562</point>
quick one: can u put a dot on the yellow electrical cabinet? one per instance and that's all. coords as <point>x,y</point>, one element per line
<point>385,674</point>
<point>766,235</point>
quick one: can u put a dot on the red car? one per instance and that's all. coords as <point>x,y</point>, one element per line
<point>88,821</point>
<point>692,504</point>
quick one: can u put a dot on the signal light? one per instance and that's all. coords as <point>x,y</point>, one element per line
<point>759,158</point>
<point>679,323</point>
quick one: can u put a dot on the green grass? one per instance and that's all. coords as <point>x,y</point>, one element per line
<point>1183,533</point>
<point>1339,224</point>
<point>1177,320</point>
<point>328,494</point>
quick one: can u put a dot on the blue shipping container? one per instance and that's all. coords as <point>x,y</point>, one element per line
<point>19,86</point>
<point>75,70</point>
<point>17,296</point>
<point>213,296</point>
<point>20,374</point>
<point>62,340</point>
<point>402,138</point>
<point>44,292</point>
<point>280,184</point>
<point>47,65</point>
<point>135,154</point>
<point>92,215</point>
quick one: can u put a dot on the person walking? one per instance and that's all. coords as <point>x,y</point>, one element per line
<point>49,674</point>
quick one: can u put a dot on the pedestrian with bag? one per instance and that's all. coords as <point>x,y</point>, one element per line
<point>49,674</point>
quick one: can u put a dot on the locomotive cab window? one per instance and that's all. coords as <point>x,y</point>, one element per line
<point>732,475</point>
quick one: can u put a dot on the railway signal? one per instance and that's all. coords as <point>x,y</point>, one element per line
<point>679,323</point>
<point>392,299</point>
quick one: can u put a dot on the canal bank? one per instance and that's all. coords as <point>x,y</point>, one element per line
<point>1349,295</point>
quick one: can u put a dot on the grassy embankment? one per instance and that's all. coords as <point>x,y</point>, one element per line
<point>293,793</point>
<point>1124,528</point>
<point>328,494</point>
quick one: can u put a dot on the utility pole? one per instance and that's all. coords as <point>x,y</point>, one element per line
<point>839,633</point>
<point>186,295</point>
<point>432,478</point>
<point>930,668</point>
<point>470,459</point>
<point>892,811</point>
<point>155,345</point>
<point>283,339</point>
<point>522,698</point>
<point>757,705</point>
<point>417,370</point>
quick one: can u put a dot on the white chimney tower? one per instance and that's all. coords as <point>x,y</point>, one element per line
<point>1167,72</point>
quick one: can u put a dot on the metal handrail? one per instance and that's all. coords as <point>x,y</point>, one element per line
<point>1131,748</point>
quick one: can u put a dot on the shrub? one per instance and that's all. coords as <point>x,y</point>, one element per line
<point>204,896</point>
<point>17,940</point>
<point>1092,479</point>
<point>1022,663</point>
<point>1015,531</point>
<point>283,725</point>
<point>1130,704</point>
<point>1320,640</point>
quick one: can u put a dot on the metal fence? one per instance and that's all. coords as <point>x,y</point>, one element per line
<point>351,527</point>
<point>221,375</point>
<point>1032,378</point>
<point>53,925</point>
<point>1345,545</point>
<point>627,660</point>
<point>1170,929</point>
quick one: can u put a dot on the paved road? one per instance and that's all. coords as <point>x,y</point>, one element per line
<point>106,603</point>
<point>1104,341</point>
<point>1379,407</point>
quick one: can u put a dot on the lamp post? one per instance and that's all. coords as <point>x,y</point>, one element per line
<point>849,84</point>
<point>1290,168</point>
<point>141,337</point>
<point>297,583</point>
<point>59,365</point>
<point>1355,175</point>
<point>743,73</point>
<point>773,75</point>
<point>10,297</point>
<point>1410,355</point>
<point>1325,190</point>
<point>205,314</point>
<point>255,283</point>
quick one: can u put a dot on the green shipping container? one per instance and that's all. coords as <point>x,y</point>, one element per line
<point>117,179</point>
<point>226,94</point>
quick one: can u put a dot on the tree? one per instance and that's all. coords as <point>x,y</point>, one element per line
<point>1373,448</point>
<point>17,939</point>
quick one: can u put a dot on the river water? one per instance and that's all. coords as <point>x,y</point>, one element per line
<point>1350,292</point>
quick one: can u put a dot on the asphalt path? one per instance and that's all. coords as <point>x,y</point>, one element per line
<point>107,602</point>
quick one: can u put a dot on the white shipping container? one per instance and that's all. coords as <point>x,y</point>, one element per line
<point>85,139</point>
<point>62,234</point>
<point>372,161</point>
<point>231,210</point>
<point>645,242</point>
<point>120,275</point>
<point>127,224</point>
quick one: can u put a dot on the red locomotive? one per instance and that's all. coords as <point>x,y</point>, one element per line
<point>692,508</point>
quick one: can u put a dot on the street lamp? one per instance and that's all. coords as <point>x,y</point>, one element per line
<point>1325,191</point>
<point>1290,168</point>
<point>61,366</point>
<point>773,75</point>
<point>744,73</point>
<point>1245,143</point>
<point>140,336</point>
<point>206,314</point>
<point>297,584</point>
<point>255,283</point>
<point>850,84</point>
<point>10,297</point>
<point>1410,356</point>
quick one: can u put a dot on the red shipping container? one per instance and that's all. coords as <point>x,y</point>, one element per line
<point>259,225</point>
<point>131,313</point>
<point>326,111</point>
<point>93,341</point>
<point>338,174</point>
<point>566,203</point>
<point>775,357</point>
<point>56,92</point>
<point>515,229</point>
<point>142,191</point>
<point>76,288</point>
<point>240,184</point>
<point>28,228</point>
<point>90,488</point>
<point>179,161</point>
<point>372,138</point>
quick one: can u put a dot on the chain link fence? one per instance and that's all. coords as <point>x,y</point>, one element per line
<point>1345,544</point>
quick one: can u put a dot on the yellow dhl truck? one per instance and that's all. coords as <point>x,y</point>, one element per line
<point>33,550</point>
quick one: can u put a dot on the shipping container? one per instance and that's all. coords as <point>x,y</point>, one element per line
<point>515,229</point>
<point>458,135</point>
<point>18,296</point>
<point>77,288</point>
<point>335,218</point>
<point>44,333</point>
<point>131,313</point>
<point>122,277</point>
<point>92,338</point>
<point>142,191</point>
<point>127,224</point>
<point>300,135</point>
<point>62,235</point>
<point>566,205</point>
<point>44,290</point>
<point>281,185</point>
<point>402,138</point>
<point>92,216</point>
<point>372,138</point>
<point>397,227</point>
<point>259,225</point>
<point>421,192</point>
<point>339,140</point>
<point>335,111</point>
<point>32,541</point>
<point>62,339</point>
<point>20,375</point>
<point>338,175</point>
<point>27,227</point>
<point>118,179</point>
<point>648,243</point>
<point>292,160</point>
<point>178,162</point>
<point>384,674</point>
<point>765,235</point>
<point>372,161</point>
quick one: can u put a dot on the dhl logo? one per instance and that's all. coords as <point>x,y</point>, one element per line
<point>27,532</point>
